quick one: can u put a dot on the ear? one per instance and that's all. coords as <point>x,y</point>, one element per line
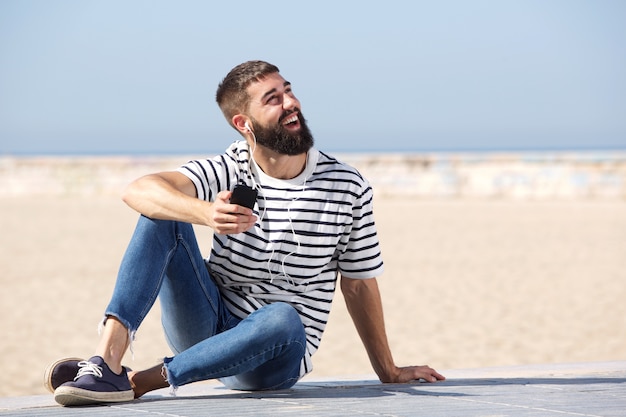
<point>239,122</point>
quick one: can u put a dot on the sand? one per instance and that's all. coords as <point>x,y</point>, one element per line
<point>469,283</point>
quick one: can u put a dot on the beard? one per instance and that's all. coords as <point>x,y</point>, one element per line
<point>281,140</point>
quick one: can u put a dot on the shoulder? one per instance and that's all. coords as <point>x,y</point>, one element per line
<point>340,174</point>
<point>219,172</point>
<point>331,165</point>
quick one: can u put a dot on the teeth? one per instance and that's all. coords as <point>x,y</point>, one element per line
<point>292,119</point>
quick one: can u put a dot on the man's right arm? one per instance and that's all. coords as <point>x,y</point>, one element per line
<point>171,195</point>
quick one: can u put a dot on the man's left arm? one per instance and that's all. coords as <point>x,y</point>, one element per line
<point>365,307</point>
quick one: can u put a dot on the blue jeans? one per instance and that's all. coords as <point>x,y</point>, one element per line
<point>262,351</point>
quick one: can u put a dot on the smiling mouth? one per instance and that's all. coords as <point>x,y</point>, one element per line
<point>291,120</point>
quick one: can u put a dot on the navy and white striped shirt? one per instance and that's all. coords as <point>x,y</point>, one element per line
<point>309,228</point>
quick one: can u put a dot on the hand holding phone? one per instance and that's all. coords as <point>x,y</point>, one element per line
<point>244,196</point>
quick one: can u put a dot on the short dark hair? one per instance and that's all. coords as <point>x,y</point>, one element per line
<point>231,95</point>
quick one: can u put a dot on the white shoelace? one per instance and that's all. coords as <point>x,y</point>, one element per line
<point>88,368</point>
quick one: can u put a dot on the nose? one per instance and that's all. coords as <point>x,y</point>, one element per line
<point>290,102</point>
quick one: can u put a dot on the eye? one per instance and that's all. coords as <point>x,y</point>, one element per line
<point>273,99</point>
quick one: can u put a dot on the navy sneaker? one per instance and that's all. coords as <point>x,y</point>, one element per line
<point>60,372</point>
<point>95,383</point>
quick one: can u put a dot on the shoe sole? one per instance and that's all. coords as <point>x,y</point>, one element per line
<point>72,396</point>
<point>47,376</point>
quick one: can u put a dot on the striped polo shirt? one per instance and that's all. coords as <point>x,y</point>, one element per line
<point>308,229</point>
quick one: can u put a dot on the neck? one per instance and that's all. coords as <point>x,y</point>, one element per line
<point>280,166</point>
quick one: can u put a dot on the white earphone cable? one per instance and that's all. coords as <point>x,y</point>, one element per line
<point>293,231</point>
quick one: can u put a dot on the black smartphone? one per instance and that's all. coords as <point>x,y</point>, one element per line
<point>244,196</point>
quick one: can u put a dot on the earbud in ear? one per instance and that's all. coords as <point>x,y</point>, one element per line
<point>247,126</point>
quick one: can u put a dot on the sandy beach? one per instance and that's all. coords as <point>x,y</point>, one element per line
<point>469,283</point>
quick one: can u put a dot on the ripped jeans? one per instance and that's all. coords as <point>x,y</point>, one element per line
<point>263,351</point>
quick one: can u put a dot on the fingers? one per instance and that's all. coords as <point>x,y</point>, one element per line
<point>428,374</point>
<point>425,373</point>
<point>237,220</point>
<point>231,218</point>
<point>434,376</point>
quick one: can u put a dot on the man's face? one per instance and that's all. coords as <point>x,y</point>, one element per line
<point>276,119</point>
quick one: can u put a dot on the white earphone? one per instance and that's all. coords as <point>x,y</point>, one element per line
<point>247,126</point>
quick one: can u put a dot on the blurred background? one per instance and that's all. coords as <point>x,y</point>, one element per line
<point>111,77</point>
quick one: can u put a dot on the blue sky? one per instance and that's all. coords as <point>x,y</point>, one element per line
<point>94,77</point>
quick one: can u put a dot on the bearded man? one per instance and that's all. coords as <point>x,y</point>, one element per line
<point>253,313</point>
